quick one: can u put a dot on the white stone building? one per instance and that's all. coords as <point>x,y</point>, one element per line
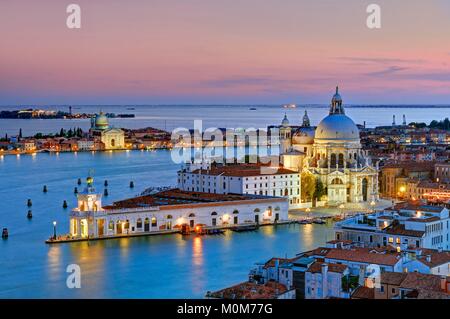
<point>332,153</point>
<point>168,211</point>
<point>112,138</point>
<point>403,226</point>
<point>249,179</point>
<point>324,280</point>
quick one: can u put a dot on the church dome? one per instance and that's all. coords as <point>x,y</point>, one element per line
<point>337,127</point>
<point>285,121</point>
<point>304,135</point>
<point>101,121</point>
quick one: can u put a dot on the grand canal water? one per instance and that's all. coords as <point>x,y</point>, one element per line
<point>169,266</point>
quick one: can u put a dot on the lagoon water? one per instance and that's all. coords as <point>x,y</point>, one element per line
<point>150,267</point>
<point>171,117</point>
<point>170,266</point>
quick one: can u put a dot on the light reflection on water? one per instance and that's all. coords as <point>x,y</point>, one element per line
<point>171,266</point>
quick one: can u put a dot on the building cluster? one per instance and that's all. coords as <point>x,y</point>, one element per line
<point>398,253</point>
<point>100,137</point>
<point>317,166</point>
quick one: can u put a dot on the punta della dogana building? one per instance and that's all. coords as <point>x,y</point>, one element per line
<point>169,211</point>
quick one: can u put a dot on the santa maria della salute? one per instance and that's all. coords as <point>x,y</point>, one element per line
<point>319,166</point>
<point>333,167</point>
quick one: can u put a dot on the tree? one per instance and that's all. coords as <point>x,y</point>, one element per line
<point>308,186</point>
<point>320,190</point>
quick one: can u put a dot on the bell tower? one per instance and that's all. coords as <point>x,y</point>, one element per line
<point>285,135</point>
<point>88,199</point>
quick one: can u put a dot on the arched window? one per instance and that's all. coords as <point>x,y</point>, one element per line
<point>147,221</point>
<point>113,142</point>
<point>257,210</point>
<point>235,211</point>
<point>286,192</point>
<point>169,216</point>
<point>333,160</point>
<point>213,214</point>
<point>111,225</point>
<point>191,215</point>
<point>277,208</point>
<point>139,223</point>
<point>154,221</point>
<point>127,224</point>
<point>337,181</point>
<point>341,160</point>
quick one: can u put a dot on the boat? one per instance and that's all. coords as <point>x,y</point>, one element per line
<point>319,221</point>
<point>215,231</point>
<point>290,106</point>
<point>253,109</point>
<point>304,221</point>
<point>243,228</point>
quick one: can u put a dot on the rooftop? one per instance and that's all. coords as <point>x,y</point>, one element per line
<point>243,170</point>
<point>250,290</point>
<point>365,255</point>
<point>179,197</point>
<point>317,267</point>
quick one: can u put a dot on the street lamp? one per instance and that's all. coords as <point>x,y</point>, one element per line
<point>372,204</point>
<point>54,230</point>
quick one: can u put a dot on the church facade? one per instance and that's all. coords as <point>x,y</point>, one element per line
<point>331,154</point>
<point>112,138</point>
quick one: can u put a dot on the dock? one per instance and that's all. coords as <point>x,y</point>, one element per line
<point>211,230</point>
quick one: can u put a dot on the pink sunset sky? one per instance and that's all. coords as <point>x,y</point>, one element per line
<point>224,52</point>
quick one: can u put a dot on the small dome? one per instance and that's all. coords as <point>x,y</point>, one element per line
<point>304,135</point>
<point>337,127</point>
<point>101,121</point>
<point>285,121</point>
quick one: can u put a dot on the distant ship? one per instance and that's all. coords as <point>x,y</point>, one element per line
<point>290,106</point>
<point>253,109</point>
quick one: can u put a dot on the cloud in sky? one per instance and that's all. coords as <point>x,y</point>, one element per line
<point>203,51</point>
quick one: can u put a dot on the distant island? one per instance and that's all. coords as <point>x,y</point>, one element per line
<point>51,114</point>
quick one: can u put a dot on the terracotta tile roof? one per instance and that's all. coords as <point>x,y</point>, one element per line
<point>392,278</point>
<point>415,280</point>
<point>364,255</point>
<point>401,231</point>
<point>363,293</point>
<point>271,262</point>
<point>433,258</point>
<point>430,294</point>
<point>424,220</point>
<point>174,197</point>
<point>317,267</point>
<point>243,170</point>
<point>412,166</point>
<point>249,290</point>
